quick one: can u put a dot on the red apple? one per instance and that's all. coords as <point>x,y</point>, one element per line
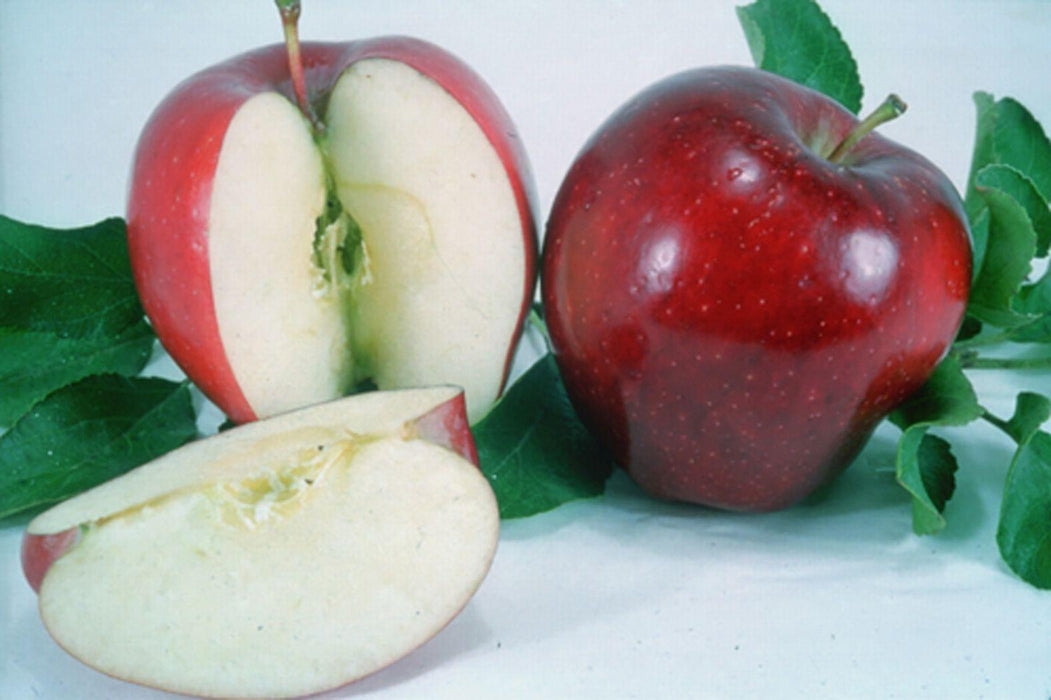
<point>284,263</point>
<point>279,558</point>
<point>736,301</point>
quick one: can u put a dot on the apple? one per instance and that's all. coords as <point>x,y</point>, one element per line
<point>371,224</point>
<point>741,281</point>
<point>280,558</point>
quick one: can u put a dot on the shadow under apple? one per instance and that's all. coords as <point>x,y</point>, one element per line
<point>862,515</point>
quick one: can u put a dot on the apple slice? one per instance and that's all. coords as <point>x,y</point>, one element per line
<point>283,263</point>
<point>281,558</point>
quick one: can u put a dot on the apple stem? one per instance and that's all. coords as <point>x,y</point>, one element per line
<point>891,108</point>
<point>290,10</point>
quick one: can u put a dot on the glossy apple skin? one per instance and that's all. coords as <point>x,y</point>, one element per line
<point>445,425</point>
<point>732,313</point>
<point>174,167</point>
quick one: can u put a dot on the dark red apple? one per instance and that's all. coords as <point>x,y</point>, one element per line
<point>735,301</point>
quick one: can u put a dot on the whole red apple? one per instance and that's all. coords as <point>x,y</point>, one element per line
<point>283,262</point>
<point>735,299</point>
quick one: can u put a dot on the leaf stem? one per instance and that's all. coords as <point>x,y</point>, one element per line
<point>891,108</point>
<point>290,10</point>
<point>971,360</point>
<point>997,422</point>
<point>980,341</point>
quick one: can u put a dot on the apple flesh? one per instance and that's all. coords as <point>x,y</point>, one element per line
<point>732,312</point>
<point>281,558</point>
<point>282,267</point>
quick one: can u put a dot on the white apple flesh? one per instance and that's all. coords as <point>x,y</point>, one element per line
<point>282,267</point>
<point>281,558</point>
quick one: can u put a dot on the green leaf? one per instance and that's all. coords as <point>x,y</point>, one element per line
<point>1031,411</point>
<point>88,433</point>
<point>68,309</point>
<point>533,448</point>
<point>1020,141</point>
<point>1010,175</point>
<point>32,365</point>
<point>70,283</point>
<point>1037,332</point>
<point>1022,189</point>
<point>924,464</point>
<point>926,468</point>
<point>1034,300</point>
<point>1008,134</point>
<point>979,239</point>
<point>1023,533</point>
<point>983,153</point>
<point>796,39</point>
<point>1007,203</point>
<point>947,398</point>
<point>1007,260</point>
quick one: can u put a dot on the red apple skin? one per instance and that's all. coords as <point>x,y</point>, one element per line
<point>39,552</point>
<point>445,425</point>
<point>174,167</point>
<point>732,313</point>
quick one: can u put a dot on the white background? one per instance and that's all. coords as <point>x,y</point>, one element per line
<point>622,596</point>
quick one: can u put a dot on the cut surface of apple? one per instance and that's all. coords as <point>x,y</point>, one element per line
<point>282,558</point>
<point>417,294</point>
<point>393,245</point>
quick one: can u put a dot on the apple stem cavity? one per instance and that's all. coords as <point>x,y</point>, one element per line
<point>290,11</point>
<point>891,108</point>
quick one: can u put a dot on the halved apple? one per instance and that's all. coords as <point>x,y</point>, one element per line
<point>280,558</point>
<point>284,264</point>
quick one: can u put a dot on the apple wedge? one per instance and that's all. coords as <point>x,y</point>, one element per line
<point>281,558</point>
<point>284,263</point>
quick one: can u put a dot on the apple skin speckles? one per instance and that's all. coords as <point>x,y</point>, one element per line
<point>732,313</point>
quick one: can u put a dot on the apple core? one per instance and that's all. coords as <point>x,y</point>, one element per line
<point>384,283</point>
